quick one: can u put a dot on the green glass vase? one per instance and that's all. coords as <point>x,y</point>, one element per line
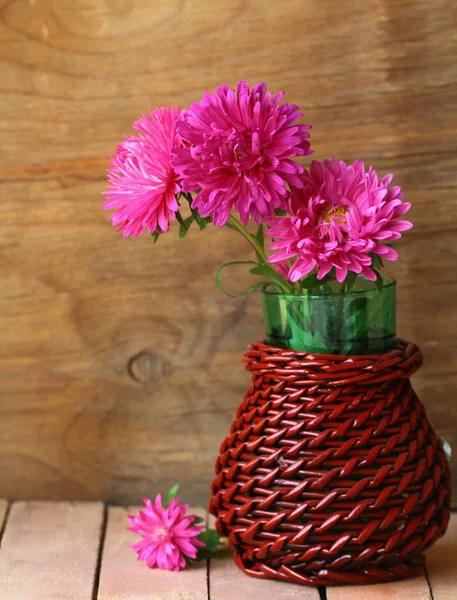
<point>361,320</point>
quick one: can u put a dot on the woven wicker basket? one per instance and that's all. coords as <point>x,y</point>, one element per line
<point>332,473</point>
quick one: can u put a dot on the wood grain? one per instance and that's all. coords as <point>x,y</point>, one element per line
<point>120,361</point>
<point>441,564</point>
<point>416,588</point>
<point>226,580</point>
<point>3,511</point>
<point>122,577</point>
<point>49,550</point>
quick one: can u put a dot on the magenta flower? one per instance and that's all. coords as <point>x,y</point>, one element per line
<point>168,534</point>
<point>340,216</point>
<point>238,152</point>
<point>143,183</point>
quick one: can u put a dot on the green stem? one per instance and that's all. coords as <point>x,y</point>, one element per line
<point>340,302</point>
<point>255,244</point>
<point>250,238</point>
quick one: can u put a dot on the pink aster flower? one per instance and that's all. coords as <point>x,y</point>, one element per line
<point>238,152</point>
<point>143,184</point>
<point>168,534</point>
<point>340,216</point>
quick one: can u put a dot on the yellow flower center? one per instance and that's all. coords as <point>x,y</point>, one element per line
<point>339,212</point>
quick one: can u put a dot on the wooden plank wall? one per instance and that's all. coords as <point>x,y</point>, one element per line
<point>119,361</point>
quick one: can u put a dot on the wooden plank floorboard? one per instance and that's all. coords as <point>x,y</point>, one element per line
<point>442,564</point>
<point>122,577</point>
<point>3,509</point>
<point>411,589</point>
<point>228,582</point>
<point>50,551</point>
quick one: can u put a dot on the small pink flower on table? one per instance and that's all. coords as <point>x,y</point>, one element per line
<point>143,184</point>
<point>341,217</point>
<point>169,535</point>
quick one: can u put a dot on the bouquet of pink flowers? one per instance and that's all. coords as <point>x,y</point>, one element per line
<point>234,153</point>
<point>232,157</point>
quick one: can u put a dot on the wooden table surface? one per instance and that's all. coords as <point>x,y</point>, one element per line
<point>81,551</point>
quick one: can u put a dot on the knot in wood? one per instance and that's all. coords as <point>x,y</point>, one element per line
<point>145,368</point>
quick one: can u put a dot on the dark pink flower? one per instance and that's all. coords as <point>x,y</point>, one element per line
<point>340,216</point>
<point>168,534</point>
<point>238,152</point>
<point>143,183</point>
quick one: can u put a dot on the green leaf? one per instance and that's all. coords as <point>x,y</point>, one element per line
<point>184,225</point>
<point>310,281</point>
<point>198,521</point>
<point>212,542</point>
<point>446,448</point>
<point>376,261</point>
<point>350,280</point>
<point>231,226</point>
<point>217,275</point>
<point>179,218</point>
<point>201,222</point>
<point>210,538</point>
<point>155,236</point>
<point>255,286</point>
<point>187,196</point>
<point>379,282</point>
<point>280,212</point>
<point>266,270</point>
<point>172,494</point>
<point>259,236</point>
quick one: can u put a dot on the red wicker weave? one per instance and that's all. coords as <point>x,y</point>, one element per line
<point>332,473</point>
